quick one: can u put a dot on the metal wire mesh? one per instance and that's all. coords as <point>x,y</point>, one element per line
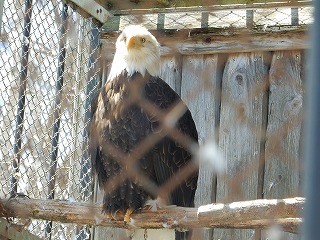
<point>236,17</point>
<point>51,68</point>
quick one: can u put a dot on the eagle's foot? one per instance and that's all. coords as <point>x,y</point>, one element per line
<point>126,218</point>
<point>114,215</point>
<point>110,215</point>
<point>154,204</point>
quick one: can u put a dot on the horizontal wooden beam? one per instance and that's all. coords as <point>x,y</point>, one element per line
<point>90,8</point>
<point>247,214</point>
<point>213,41</point>
<point>132,10</point>
<point>165,6</point>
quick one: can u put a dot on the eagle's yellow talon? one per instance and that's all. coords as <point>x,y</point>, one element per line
<point>114,215</point>
<point>127,215</point>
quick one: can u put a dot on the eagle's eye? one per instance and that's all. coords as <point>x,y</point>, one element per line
<point>142,40</point>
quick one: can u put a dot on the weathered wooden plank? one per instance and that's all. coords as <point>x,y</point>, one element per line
<point>223,41</point>
<point>282,159</point>
<point>200,89</point>
<point>153,234</point>
<point>13,231</point>
<point>244,42</point>
<point>164,6</point>
<point>101,232</point>
<point>170,72</point>
<point>243,116</point>
<point>282,167</point>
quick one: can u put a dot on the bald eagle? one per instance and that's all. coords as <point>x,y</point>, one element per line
<point>119,123</point>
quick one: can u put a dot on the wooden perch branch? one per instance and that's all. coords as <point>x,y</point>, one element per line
<point>245,214</point>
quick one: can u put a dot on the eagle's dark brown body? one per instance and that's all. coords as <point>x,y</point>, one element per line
<point>122,123</point>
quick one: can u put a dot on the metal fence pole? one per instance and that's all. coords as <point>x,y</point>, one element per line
<point>294,16</point>
<point>57,113</point>
<point>94,81</point>
<point>249,19</point>
<point>92,87</point>
<point>160,21</point>
<point>1,12</point>
<point>22,96</point>
<point>312,153</point>
<point>204,19</point>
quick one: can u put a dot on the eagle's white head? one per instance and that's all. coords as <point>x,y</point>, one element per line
<point>137,50</point>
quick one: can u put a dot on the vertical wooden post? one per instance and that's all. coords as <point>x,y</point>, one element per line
<point>242,119</point>
<point>200,89</point>
<point>282,169</point>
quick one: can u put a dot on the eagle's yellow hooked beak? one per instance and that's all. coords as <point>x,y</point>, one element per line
<point>134,42</point>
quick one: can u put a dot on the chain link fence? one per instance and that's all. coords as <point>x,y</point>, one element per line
<point>260,16</point>
<point>49,71</point>
<point>51,68</point>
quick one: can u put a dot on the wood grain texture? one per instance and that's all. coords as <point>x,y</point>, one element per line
<point>246,214</point>
<point>16,231</point>
<point>165,6</point>
<point>188,42</point>
<point>244,41</point>
<point>170,71</point>
<point>243,116</point>
<point>200,89</point>
<point>284,126</point>
<point>282,158</point>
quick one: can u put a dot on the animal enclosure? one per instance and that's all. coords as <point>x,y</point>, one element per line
<point>240,69</point>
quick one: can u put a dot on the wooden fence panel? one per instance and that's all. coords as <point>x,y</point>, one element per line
<point>200,89</point>
<point>171,71</point>
<point>243,116</point>
<point>238,86</point>
<point>282,166</point>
